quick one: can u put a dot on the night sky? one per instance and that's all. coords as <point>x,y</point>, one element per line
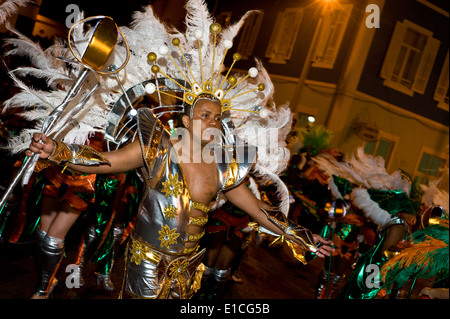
<point>119,11</point>
<point>443,4</point>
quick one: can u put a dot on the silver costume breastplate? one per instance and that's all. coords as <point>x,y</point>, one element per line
<point>165,210</point>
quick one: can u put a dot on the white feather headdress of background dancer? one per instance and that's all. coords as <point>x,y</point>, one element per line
<point>364,171</point>
<point>193,60</point>
<point>433,195</point>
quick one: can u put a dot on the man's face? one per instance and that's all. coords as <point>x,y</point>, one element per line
<point>207,116</point>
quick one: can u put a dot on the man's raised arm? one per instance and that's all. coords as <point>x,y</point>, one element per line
<point>122,160</point>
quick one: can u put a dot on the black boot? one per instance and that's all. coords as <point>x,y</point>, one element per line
<point>218,282</point>
<point>203,292</point>
<point>83,253</point>
<point>52,251</point>
<point>40,235</point>
<point>104,279</point>
<point>321,286</point>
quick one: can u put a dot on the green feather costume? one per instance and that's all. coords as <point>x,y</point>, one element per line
<point>426,258</point>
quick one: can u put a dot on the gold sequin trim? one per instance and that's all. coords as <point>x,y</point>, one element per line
<point>198,221</point>
<point>178,269</point>
<point>140,251</point>
<point>172,186</point>
<point>187,251</point>
<point>170,212</point>
<point>151,149</point>
<point>168,236</point>
<point>61,152</point>
<point>195,237</point>
<point>76,154</point>
<point>200,206</point>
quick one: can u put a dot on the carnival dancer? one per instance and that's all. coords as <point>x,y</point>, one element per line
<point>307,183</point>
<point>65,197</point>
<point>177,186</point>
<point>385,200</point>
<point>112,218</point>
<point>316,204</point>
<point>182,174</point>
<point>226,232</point>
<point>345,227</point>
<point>426,255</point>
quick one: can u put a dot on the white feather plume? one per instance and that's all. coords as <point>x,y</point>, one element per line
<point>361,198</point>
<point>254,188</point>
<point>263,173</point>
<point>363,171</point>
<point>433,195</point>
<point>10,7</point>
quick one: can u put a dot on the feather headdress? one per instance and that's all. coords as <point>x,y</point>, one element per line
<point>201,49</point>
<point>194,60</point>
<point>368,175</point>
<point>433,195</point>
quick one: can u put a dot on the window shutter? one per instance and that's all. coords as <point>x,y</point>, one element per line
<point>249,34</point>
<point>275,37</point>
<point>293,20</point>
<point>337,31</point>
<point>393,51</point>
<point>442,86</point>
<point>426,65</point>
<point>284,34</point>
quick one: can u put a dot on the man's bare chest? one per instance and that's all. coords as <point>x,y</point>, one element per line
<point>202,180</point>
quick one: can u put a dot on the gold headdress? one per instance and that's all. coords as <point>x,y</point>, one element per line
<point>207,82</point>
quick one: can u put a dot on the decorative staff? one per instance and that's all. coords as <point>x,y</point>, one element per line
<point>336,209</point>
<point>100,46</point>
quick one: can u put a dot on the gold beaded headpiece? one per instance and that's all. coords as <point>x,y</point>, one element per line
<point>204,86</point>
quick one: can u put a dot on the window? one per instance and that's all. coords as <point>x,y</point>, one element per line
<point>384,146</point>
<point>249,34</point>
<point>441,93</point>
<point>410,58</point>
<point>284,34</point>
<point>331,35</point>
<point>429,167</point>
<point>381,148</point>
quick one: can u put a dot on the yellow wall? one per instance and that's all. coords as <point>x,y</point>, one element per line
<point>413,132</point>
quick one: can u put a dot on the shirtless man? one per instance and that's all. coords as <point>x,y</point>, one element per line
<point>163,260</point>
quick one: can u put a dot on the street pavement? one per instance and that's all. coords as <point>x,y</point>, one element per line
<point>266,273</point>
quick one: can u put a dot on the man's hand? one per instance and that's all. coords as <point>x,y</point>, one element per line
<point>244,199</point>
<point>325,246</point>
<point>42,145</point>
